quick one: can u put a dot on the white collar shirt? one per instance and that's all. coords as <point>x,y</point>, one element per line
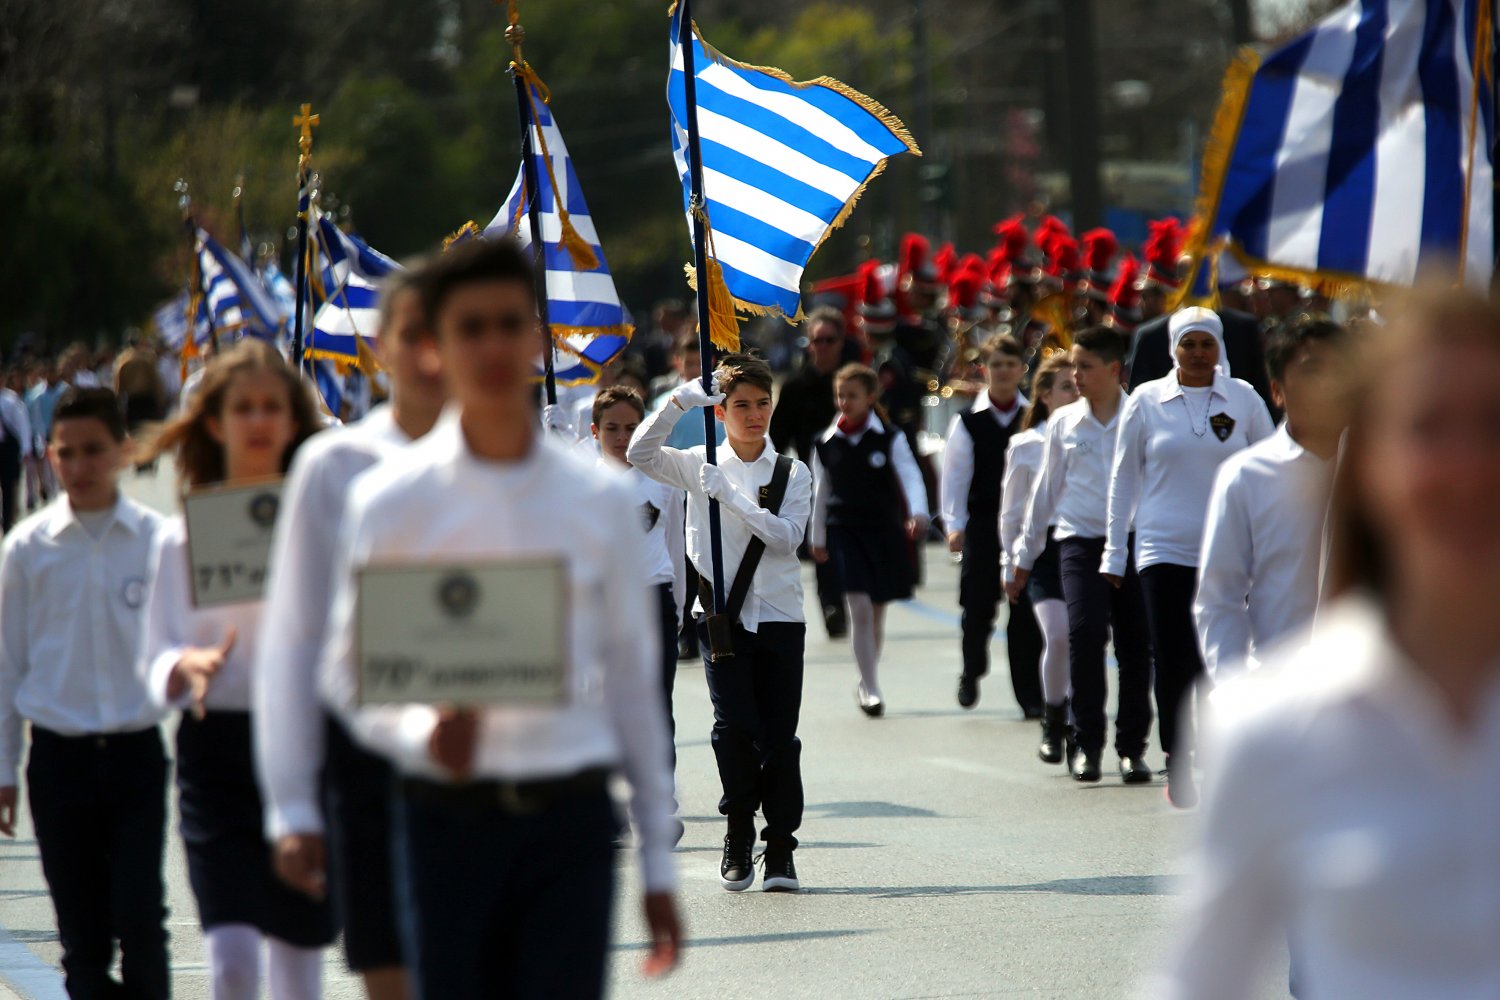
<point>662,512</point>
<point>70,622</point>
<point>1023,460</point>
<point>1165,463</point>
<point>15,421</point>
<point>958,460</point>
<point>290,694</point>
<point>550,503</point>
<point>776,591</point>
<point>1343,809</point>
<point>1072,483</point>
<point>1262,549</point>
<point>908,477</point>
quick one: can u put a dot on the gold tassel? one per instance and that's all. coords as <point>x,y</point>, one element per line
<point>723,325</point>
<point>368,362</point>
<point>578,248</point>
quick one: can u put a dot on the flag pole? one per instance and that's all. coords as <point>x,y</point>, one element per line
<point>305,121</point>
<point>515,35</point>
<point>718,632</point>
<point>199,294</point>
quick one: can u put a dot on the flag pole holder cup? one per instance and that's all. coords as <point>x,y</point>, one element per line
<point>720,644</point>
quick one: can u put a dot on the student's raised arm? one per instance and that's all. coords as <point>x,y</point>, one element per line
<point>648,448</point>
<point>1124,487</point>
<point>1224,575</point>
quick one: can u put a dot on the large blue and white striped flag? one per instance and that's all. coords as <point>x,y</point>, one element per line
<point>235,299</point>
<point>590,326</point>
<point>783,164</point>
<point>1362,149</point>
<point>347,274</point>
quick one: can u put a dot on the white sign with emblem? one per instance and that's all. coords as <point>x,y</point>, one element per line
<point>229,541</point>
<point>491,633</point>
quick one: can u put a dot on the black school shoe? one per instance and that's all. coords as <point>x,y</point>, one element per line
<point>737,869</point>
<point>779,872</point>
<point>1086,766</point>
<point>968,691</point>
<point>1134,771</point>
<point>836,621</point>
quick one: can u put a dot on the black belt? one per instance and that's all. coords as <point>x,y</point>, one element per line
<point>514,797</point>
<point>100,740</point>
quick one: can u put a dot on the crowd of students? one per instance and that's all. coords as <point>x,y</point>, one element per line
<point>466,850</point>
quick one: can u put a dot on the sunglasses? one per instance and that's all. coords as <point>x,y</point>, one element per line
<point>825,340</point>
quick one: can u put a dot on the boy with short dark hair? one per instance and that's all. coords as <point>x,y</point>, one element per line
<point>1262,541</point>
<point>72,586</point>
<point>757,694</point>
<point>1072,492</point>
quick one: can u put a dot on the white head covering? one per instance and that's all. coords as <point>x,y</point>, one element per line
<point>1196,319</point>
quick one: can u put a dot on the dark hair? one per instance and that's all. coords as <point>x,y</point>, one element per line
<point>1046,377</point>
<point>1108,344</point>
<point>865,376</point>
<point>200,459</point>
<point>827,314</point>
<point>1001,343</point>
<point>468,263</point>
<point>687,343</point>
<point>91,404</point>
<point>615,395</point>
<point>1287,339</point>
<point>735,370</point>
<point>1430,321</point>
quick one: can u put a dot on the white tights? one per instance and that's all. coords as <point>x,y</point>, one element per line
<point>293,973</point>
<point>1052,618</point>
<point>867,634</point>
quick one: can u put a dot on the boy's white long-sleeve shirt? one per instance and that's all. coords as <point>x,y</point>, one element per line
<point>958,460</point>
<point>1072,484</point>
<point>289,695</point>
<point>1023,460</point>
<point>71,615</point>
<point>776,592</point>
<point>1164,469</point>
<point>439,503</point>
<point>908,477</point>
<point>1262,549</point>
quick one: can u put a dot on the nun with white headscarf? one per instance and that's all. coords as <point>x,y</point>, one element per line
<point>1175,431</point>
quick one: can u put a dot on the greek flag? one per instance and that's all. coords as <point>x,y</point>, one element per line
<point>590,326</point>
<point>171,321</point>
<point>345,286</point>
<point>783,164</point>
<point>236,301</point>
<point>1362,149</point>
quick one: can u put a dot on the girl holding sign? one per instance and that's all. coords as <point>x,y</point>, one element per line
<point>248,416</point>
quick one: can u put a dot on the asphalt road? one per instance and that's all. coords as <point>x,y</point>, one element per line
<point>939,858</point>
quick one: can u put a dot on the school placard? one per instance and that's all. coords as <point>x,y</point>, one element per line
<point>229,533</point>
<point>492,633</point>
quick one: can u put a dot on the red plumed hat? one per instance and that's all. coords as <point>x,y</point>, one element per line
<point>1162,248</point>
<point>916,260</point>
<point>964,292</point>
<point>875,304</point>
<point>1125,295</point>
<point>1012,239</point>
<point>1099,247</point>
<point>946,263</point>
<point>1063,260</point>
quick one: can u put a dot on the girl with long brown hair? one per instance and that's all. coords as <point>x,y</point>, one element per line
<point>1352,797</point>
<point>244,422</point>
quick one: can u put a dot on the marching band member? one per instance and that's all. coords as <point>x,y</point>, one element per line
<point>302,743</point>
<point>72,583</point>
<point>868,503</point>
<point>244,423</point>
<point>1175,432</point>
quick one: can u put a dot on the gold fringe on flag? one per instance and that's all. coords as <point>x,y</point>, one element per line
<point>467,230</point>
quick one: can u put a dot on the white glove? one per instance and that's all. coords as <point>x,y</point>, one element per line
<point>557,420</point>
<point>690,395</point>
<point>718,487</point>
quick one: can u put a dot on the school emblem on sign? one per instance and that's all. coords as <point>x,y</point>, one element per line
<point>1223,425</point>
<point>263,509</point>
<point>877,460</point>
<point>650,513</point>
<point>458,595</point>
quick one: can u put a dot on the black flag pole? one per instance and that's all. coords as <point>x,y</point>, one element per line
<point>306,122</point>
<point>185,203</point>
<point>515,34</point>
<point>718,631</point>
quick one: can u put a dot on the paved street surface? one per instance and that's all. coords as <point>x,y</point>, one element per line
<point>939,858</point>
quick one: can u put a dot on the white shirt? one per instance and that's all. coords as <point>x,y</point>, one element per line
<point>15,421</point>
<point>551,503</point>
<point>776,591</point>
<point>1344,809</point>
<point>173,625</point>
<point>70,623</point>
<point>908,476</point>
<point>1165,464</point>
<point>958,461</point>
<point>1072,484</point>
<point>662,510</point>
<point>289,694</point>
<point>582,417</point>
<point>1262,548</point>
<point>1023,460</point>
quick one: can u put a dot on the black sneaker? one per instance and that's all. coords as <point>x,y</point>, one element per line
<point>737,870</point>
<point>779,873</point>
<point>968,691</point>
<point>836,621</point>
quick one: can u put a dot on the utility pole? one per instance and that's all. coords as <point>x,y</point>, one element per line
<point>1081,56</point>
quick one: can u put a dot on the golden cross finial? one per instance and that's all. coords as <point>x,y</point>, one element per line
<point>306,121</point>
